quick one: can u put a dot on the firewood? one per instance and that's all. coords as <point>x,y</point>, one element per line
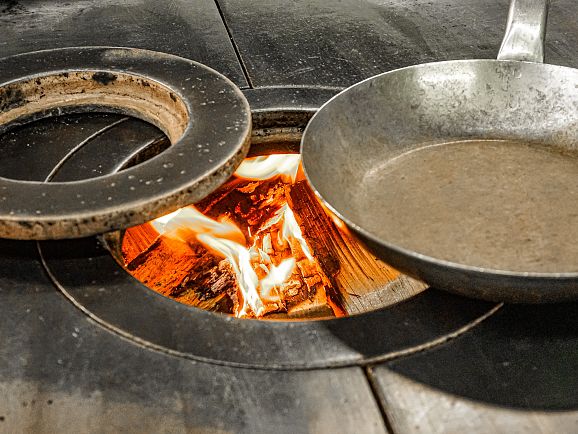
<point>186,272</point>
<point>248,204</point>
<point>362,282</point>
<point>136,240</point>
<point>317,307</point>
<point>303,294</point>
<point>316,288</point>
<point>251,204</point>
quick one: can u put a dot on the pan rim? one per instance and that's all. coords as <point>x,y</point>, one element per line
<point>415,255</point>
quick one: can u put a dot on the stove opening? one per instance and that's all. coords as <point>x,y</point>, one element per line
<point>262,246</point>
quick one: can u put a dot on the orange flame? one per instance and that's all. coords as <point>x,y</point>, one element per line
<point>223,237</point>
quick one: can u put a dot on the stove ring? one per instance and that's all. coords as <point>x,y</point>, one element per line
<point>181,97</point>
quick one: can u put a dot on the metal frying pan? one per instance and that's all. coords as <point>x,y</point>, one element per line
<point>461,173</point>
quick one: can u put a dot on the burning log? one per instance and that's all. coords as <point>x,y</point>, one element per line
<point>363,282</point>
<point>193,274</point>
<point>189,274</point>
<point>262,246</point>
<point>248,204</point>
<point>137,240</point>
<point>305,292</point>
<point>252,204</point>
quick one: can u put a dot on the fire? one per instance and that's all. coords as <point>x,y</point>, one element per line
<point>261,246</point>
<point>260,168</point>
<point>263,278</point>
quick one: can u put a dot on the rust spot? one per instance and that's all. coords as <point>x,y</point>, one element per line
<point>104,78</point>
<point>11,97</point>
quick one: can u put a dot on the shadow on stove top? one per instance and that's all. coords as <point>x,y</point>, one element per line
<point>525,356</point>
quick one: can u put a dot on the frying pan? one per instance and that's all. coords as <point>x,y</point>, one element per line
<point>461,173</point>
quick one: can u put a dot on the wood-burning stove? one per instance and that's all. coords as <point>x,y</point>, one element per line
<point>113,298</point>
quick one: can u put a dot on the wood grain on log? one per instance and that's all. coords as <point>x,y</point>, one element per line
<point>362,282</point>
<point>186,273</point>
<point>136,240</point>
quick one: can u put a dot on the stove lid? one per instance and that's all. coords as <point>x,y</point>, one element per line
<point>205,116</point>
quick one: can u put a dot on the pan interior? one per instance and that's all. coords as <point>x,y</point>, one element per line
<point>471,162</point>
<point>492,204</point>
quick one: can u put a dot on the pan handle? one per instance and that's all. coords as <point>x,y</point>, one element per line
<point>524,38</point>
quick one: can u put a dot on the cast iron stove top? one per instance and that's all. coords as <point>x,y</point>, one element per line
<point>77,356</point>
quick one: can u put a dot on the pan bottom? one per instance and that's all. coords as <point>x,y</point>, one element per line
<point>501,205</point>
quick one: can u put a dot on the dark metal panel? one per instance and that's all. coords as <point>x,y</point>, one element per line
<point>118,142</point>
<point>562,33</point>
<point>32,157</point>
<point>191,29</point>
<point>514,373</point>
<point>59,372</point>
<point>327,43</point>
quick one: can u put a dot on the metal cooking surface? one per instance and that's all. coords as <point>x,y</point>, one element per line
<point>194,31</point>
<point>479,203</point>
<point>62,372</point>
<point>107,293</point>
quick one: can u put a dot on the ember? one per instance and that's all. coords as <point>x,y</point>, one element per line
<point>259,246</point>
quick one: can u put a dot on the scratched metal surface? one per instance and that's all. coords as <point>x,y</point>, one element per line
<point>59,372</point>
<point>191,29</point>
<point>322,43</point>
<point>515,373</point>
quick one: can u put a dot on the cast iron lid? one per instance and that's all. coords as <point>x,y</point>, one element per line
<point>205,116</point>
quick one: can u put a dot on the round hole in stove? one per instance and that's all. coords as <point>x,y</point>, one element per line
<point>261,246</point>
<point>92,279</point>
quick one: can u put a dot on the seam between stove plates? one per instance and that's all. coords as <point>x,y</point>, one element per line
<point>379,398</point>
<point>235,46</point>
<point>77,148</point>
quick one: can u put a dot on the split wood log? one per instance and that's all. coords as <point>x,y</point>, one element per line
<point>362,282</point>
<point>185,272</point>
<point>304,294</point>
<point>189,273</point>
<point>136,240</point>
<point>250,204</point>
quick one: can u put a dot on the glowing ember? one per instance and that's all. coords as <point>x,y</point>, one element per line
<point>263,276</point>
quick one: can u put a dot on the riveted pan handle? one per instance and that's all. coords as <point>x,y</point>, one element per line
<point>524,38</point>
